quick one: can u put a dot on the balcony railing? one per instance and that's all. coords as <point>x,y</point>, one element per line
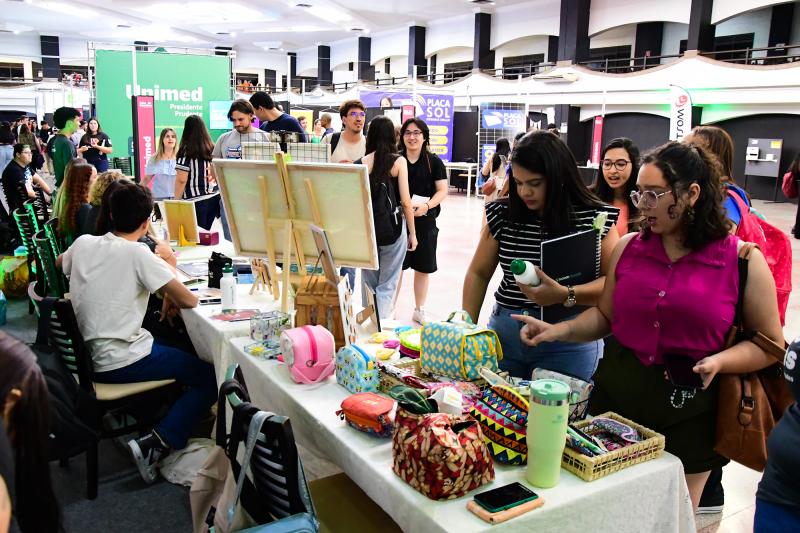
<point>626,64</point>
<point>771,55</point>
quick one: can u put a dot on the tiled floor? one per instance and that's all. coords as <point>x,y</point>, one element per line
<point>459,228</point>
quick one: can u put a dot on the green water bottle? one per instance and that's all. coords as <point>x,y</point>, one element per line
<point>547,430</point>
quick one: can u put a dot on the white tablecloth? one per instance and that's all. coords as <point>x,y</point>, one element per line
<point>648,497</point>
<point>210,336</point>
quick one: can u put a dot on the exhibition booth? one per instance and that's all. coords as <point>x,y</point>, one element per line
<point>421,418</point>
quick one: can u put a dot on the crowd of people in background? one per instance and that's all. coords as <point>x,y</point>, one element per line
<point>668,261</point>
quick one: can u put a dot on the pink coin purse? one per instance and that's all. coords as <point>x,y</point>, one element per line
<point>308,351</point>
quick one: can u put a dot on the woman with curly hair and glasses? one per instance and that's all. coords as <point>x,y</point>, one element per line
<point>73,215</point>
<point>671,291</point>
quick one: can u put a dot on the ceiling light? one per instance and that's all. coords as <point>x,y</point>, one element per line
<point>356,29</point>
<point>223,33</point>
<point>300,4</point>
<point>67,9</point>
<point>123,26</point>
<point>203,12</point>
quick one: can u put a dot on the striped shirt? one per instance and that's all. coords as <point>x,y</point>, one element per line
<point>197,183</point>
<point>523,240</point>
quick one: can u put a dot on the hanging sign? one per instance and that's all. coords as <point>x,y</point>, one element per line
<point>680,113</point>
<point>144,128</point>
<point>597,140</point>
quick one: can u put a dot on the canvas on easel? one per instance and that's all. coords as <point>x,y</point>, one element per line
<point>271,206</point>
<point>181,221</point>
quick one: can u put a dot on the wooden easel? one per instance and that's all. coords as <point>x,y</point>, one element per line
<point>261,277</point>
<point>293,232</point>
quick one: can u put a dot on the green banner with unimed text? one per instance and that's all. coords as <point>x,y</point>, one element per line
<point>181,85</point>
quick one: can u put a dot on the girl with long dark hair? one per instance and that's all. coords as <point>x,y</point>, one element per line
<point>547,198</point>
<point>670,290</point>
<point>427,181</point>
<point>95,145</point>
<point>193,172</point>
<point>388,176</point>
<point>26,417</point>
<point>493,174</point>
<point>619,166</point>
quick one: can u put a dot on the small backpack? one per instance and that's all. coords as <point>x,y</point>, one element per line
<point>386,214</point>
<point>775,246</point>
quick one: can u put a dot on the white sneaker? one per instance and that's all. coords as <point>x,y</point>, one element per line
<point>419,316</point>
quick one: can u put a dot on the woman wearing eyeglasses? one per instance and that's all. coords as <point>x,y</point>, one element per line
<point>547,198</point>
<point>671,290</point>
<point>427,180</point>
<point>619,166</point>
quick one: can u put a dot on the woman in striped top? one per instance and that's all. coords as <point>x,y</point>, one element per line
<point>547,199</point>
<point>193,172</point>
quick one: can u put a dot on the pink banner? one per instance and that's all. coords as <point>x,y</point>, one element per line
<point>144,135</point>
<point>597,140</point>
<point>408,112</point>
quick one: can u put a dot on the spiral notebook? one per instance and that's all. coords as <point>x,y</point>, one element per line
<point>570,260</point>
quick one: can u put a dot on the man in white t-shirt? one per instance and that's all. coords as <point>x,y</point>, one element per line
<point>229,144</point>
<point>111,278</point>
<point>349,144</point>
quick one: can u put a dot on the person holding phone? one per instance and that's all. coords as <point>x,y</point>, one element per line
<point>95,146</point>
<point>672,288</point>
<point>547,198</point>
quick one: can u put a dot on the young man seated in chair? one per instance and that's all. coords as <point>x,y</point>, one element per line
<point>111,277</point>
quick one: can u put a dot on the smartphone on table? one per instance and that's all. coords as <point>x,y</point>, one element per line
<point>680,371</point>
<point>505,497</point>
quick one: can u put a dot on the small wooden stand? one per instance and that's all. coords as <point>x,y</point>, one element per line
<point>261,277</point>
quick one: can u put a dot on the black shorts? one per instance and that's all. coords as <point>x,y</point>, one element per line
<point>423,259</point>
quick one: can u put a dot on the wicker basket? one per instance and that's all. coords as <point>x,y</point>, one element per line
<point>591,468</point>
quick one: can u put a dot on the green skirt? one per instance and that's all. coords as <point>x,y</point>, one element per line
<point>643,394</point>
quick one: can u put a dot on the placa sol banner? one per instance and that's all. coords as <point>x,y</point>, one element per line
<point>435,109</point>
<point>180,84</point>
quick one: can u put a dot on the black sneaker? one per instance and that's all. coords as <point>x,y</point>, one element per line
<point>713,498</point>
<point>146,452</point>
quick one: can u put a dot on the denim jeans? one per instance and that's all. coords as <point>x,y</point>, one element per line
<point>773,518</point>
<point>576,359</point>
<point>190,372</point>
<point>223,217</point>
<point>351,276</point>
<point>384,280</point>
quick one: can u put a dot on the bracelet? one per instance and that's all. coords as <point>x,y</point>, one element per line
<point>428,206</point>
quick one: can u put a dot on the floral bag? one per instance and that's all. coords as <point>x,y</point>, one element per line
<point>440,455</point>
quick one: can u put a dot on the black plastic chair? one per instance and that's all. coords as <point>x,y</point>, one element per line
<point>119,400</point>
<point>56,242</point>
<point>274,491</point>
<point>278,488</point>
<point>56,283</point>
<point>27,226</point>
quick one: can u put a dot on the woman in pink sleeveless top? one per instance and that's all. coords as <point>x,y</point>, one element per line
<point>672,289</point>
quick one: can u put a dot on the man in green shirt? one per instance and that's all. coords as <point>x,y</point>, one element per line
<point>62,151</point>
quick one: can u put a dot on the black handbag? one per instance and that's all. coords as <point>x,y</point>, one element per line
<point>215,265</point>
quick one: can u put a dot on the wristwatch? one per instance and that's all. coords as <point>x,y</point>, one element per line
<point>570,301</point>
